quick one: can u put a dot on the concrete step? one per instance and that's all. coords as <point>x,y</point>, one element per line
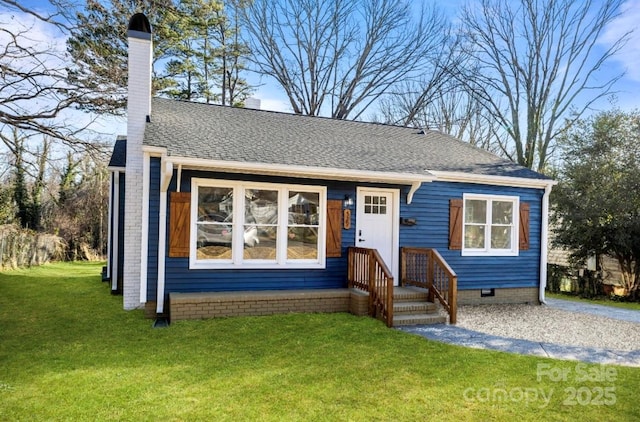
<point>407,308</point>
<point>416,319</point>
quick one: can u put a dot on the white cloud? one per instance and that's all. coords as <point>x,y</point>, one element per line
<point>31,32</point>
<point>629,56</point>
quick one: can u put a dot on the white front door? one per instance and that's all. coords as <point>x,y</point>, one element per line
<point>377,222</point>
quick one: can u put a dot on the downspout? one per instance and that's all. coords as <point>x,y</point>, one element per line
<point>165,179</point>
<point>544,242</point>
<point>179,178</point>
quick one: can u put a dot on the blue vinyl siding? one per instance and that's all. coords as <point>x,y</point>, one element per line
<point>430,207</point>
<point>153,221</point>
<point>179,278</point>
<point>112,224</point>
<point>121,221</point>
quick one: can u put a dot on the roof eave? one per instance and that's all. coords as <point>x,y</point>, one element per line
<point>517,182</point>
<point>329,173</point>
<point>307,172</point>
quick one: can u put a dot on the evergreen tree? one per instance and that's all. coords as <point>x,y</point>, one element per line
<point>597,203</point>
<point>98,46</point>
<point>188,54</point>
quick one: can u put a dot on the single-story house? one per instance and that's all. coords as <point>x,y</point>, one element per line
<point>215,199</point>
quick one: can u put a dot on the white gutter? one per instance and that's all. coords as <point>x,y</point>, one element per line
<point>165,179</point>
<point>310,172</point>
<point>516,182</point>
<point>544,239</point>
<point>307,172</point>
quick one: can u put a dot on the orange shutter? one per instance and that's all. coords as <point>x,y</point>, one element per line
<point>334,228</point>
<point>179,224</point>
<point>524,226</point>
<point>455,224</point>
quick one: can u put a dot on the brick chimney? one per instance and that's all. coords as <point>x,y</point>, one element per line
<point>138,108</point>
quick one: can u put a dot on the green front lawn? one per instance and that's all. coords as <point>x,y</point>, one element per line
<point>68,352</point>
<point>599,301</point>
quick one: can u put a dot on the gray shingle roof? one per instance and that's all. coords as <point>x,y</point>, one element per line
<point>195,130</point>
<point>119,155</point>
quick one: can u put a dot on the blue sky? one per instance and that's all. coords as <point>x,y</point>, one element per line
<point>627,60</point>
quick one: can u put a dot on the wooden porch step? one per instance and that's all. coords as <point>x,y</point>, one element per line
<point>409,308</point>
<point>416,319</point>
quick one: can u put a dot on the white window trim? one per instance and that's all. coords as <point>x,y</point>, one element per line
<point>237,261</point>
<point>515,233</point>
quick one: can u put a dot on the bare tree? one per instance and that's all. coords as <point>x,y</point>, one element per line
<point>408,102</point>
<point>338,57</point>
<point>445,107</point>
<point>531,61</point>
<point>462,116</point>
<point>34,91</point>
<point>437,100</point>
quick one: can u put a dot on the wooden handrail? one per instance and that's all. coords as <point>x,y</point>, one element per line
<point>368,272</point>
<point>427,269</point>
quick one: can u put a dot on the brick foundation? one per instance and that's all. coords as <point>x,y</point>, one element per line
<point>359,304</point>
<point>226,304</point>
<point>502,296</point>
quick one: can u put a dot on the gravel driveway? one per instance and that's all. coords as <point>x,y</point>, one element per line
<point>546,324</point>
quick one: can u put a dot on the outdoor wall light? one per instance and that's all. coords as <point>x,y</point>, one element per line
<point>348,201</point>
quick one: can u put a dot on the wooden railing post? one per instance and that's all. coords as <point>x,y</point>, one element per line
<point>453,299</point>
<point>403,266</point>
<point>372,287</point>
<point>389,302</point>
<point>350,265</point>
<point>368,272</point>
<point>430,273</point>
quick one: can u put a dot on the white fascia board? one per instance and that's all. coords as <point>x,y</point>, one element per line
<point>307,172</point>
<point>516,182</point>
<point>154,151</point>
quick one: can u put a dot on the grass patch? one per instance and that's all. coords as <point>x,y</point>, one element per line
<point>69,352</point>
<point>596,301</point>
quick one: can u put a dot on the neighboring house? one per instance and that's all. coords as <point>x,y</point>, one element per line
<point>570,273</point>
<point>210,198</point>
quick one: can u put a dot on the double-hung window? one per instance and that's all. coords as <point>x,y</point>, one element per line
<point>490,225</point>
<point>257,225</point>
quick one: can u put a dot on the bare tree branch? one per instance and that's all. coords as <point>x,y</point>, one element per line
<point>338,57</point>
<point>35,95</point>
<point>532,61</point>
